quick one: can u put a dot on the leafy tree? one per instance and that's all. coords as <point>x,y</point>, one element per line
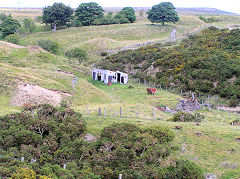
<point>163,12</point>
<point>49,45</point>
<point>57,15</point>
<point>86,13</point>
<point>129,13</point>
<point>29,25</point>
<point>2,16</point>
<point>77,53</point>
<point>9,26</point>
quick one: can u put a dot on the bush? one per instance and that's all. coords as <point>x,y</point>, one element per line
<point>49,45</point>
<point>77,53</point>
<point>233,102</point>
<point>163,134</point>
<point>124,145</point>
<point>13,38</point>
<point>187,117</point>
<point>186,169</point>
<point>104,54</point>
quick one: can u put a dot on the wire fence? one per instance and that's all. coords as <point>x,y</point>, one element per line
<point>206,101</point>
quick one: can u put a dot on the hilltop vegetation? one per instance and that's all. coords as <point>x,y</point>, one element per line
<point>208,63</point>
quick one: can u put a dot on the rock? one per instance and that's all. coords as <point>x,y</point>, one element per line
<point>195,159</point>
<point>231,151</point>
<point>90,138</point>
<point>198,133</point>
<point>188,105</point>
<point>228,165</point>
<point>238,139</point>
<point>183,149</point>
<point>178,127</point>
<point>209,176</point>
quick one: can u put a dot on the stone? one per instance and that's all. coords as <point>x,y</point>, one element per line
<point>228,165</point>
<point>238,139</point>
<point>209,176</point>
<point>178,127</point>
<point>90,138</point>
<point>198,133</point>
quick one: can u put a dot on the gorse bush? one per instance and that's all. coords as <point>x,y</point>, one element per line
<point>55,136</point>
<point>187,117</point>
<point>126,147</point>
<point>207,62</point>
<point>49,45</point>
<point>13,38</point>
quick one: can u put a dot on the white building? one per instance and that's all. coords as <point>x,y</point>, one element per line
<point>109,76</point>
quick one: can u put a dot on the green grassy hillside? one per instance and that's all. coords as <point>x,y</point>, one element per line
<point>215,146</point>
<point>96,39</point>
<point>205,63</point>
<point>210,144</point>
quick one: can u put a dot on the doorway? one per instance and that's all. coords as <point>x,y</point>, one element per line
<point>122,80</point>
<point>118,77</point>
<point>94,75</point>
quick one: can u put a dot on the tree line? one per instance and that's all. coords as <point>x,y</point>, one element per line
<point>60,15</point>
<point>85,15</point>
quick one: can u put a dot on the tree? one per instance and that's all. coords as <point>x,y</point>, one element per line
<point>9,26</point>
<point>29,25</point>
<point>77,53</point>
<point>129,13</point>
<point>163,12</point>
<point>86,13</point>
<point>57,15</point>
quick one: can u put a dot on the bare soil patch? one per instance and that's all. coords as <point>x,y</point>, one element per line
<point>27,94</point>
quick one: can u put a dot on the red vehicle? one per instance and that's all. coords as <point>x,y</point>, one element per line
<point>151,90</point>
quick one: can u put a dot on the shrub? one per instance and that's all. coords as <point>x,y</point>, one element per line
<point>185,169</point>
<point>49,45</point>
<point>233,102</point>
<point>104,54</point>
<point>77,53</point>
<point>163,134</point>
<point>124,145</point>
<point>187,117</point>
<point>13,38</point>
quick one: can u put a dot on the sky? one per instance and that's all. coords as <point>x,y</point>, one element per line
<point>226,5</point>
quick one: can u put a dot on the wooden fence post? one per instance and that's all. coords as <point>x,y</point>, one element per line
<point>181,91</point>
<point>120,176</point>
<point>120,112</point>
<point>64,166</point>
<point>104,112</point>
<point>99,111</point>
<point>137,115</point>
<point>22,159</point>
<point>154,114</point>
<point>88,112</point>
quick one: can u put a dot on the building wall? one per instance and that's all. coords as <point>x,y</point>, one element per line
<point>106,73</point>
